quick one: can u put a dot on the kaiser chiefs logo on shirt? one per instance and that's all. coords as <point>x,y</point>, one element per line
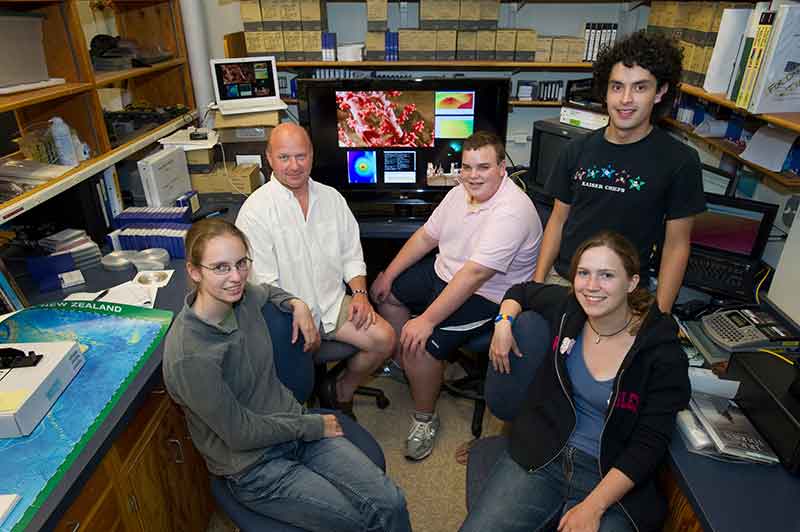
<point>608,178</point>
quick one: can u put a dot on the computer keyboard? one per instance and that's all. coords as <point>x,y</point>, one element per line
<point>389,227</point>
<point>721,275</point>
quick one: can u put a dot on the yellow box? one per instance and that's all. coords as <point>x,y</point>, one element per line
<point>375,43</point>
<point>486,43</point>
<point>446,44</point>
<point>469,14</point>
<point>544,49</point>
<point>525,45</point>
<point>438,14</point>
<point>577,47</point>
<point>254,42</point>
<point>250,12</point>
<point>505,43</point>
<point>290,15</point>
<point>312,45</point>
<point>416,45</point>
<point>377,15</point>
<point>238,178</point>
<point>467,45</point>
<point>273,43</point>
<point>293,45</point>
<point>271,15</point>
<point>490,13</point>
<point>312,15</point>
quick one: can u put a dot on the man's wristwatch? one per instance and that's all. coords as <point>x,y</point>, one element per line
<point>358,291</point>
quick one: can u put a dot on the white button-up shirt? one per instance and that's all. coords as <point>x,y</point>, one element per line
<point>310,258</point>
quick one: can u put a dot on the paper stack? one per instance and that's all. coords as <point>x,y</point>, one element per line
<point>85,252</point>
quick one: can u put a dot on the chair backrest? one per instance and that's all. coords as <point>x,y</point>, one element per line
<point>332,351</point>
<point>295,368</point>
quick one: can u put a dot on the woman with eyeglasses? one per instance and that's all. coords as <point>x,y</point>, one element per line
<point>278,459</point>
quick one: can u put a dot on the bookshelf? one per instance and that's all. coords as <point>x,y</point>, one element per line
<point>437,65</point>
<point>151,23</point>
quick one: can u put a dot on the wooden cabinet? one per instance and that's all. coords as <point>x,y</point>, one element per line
<point>152,478</point>
<point>680,515</point>
<point>155,24</point>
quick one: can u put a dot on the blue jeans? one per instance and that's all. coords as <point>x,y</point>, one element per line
<point>515,500</point>
<point>322,485</point>
<point>505,392</point>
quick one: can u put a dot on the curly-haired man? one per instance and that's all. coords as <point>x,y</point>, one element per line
<point>630,177</point>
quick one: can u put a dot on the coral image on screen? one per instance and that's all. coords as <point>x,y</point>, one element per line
<point>454,127</point>
<point>455,102</point>
<point>725,232</point>
<point>384,119</point>
<point>361,167</point>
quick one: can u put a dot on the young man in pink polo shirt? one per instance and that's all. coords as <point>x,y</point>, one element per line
<point>488,234</point>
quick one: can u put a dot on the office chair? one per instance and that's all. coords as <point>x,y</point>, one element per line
<point>474,358</point>
<point>298,376</point>
<point>339,352</point>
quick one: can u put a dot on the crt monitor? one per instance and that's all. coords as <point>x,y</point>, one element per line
<point>549,138</point>
<point>734,226</point>
<point>384,137</point>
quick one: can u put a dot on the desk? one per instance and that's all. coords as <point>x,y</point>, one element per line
<point>137,395</point>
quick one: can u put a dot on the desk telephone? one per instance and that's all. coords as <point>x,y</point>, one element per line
<point>745,329</point>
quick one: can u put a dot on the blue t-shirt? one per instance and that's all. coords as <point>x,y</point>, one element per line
<point>591,399</point>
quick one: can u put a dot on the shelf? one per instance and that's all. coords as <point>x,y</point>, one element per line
<point>729,148</point>
<point>9,102</point>
<point>533,103</point>
<point>790,121</point>
<point>108,77</point>
<point>30,199</point>
<point>436,65</point>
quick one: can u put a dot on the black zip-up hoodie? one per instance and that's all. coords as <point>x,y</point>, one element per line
<point>650,388</point>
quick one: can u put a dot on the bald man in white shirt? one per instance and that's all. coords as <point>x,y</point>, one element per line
<point>305,239</point>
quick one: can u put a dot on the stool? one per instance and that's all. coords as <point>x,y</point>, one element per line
<point>471,387</point>
<point>333,351</point>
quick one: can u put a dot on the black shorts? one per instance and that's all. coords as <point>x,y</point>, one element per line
<point>419,286</point>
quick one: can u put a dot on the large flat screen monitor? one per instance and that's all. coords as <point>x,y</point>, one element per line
<point>376,137</point>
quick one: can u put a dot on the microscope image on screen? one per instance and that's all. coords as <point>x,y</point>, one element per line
<point>385,119</point>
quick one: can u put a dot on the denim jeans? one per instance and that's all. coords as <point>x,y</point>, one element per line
<point>514,499</point>
<point>505,392</point>
<point>322,485</point>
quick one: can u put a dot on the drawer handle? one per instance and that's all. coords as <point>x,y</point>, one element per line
<point>179,459</point>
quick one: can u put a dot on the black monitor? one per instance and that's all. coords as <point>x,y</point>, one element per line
<point>549,138</point>
<point>386,138</point>
<point>734,226</point>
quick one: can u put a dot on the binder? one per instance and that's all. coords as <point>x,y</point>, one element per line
<point>776,88</point>
<point>729,38</point>
<point>754,61</point>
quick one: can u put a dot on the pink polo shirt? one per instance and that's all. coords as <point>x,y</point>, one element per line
<point>503,233</point>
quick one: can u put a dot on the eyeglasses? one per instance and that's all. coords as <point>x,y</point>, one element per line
<point>224,268</point>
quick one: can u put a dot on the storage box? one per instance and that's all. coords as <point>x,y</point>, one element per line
<point>469,14</point>
<point>254,43</point>
<point>201,160</point>
<point>576,48</point>
<point>416,45</point>
<point>375,43</point>
<point>243,179</point>
<point>233,135</point>
<point>312,45</point>
<point>293,45</point>
<point>486,44</point>
<point>312,15</point>
<point>273,43</point>
<point>439,14</point>
<point>446,45</point>
<point>466,45</point>
<point>250,11</point>
<point>505,43</point>
<point>377,15</point>
<point>544,48</point>
<point>290,15</point>
<point>23,59</point>
<point>525,47</point>
<point>265,119</point>
<point>490,13</point>
<point>29,393</point>
<point>271,15</point>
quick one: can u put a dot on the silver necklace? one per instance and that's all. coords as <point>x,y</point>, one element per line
<point>600,336</point>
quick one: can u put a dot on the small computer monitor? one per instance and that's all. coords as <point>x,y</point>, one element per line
<point>718,181</point>
<point>735,226</point>
<point>549,138</point>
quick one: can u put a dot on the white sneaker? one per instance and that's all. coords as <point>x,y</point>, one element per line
<point>421,438</point>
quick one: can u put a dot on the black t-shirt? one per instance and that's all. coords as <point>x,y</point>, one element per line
<point>628,188</point>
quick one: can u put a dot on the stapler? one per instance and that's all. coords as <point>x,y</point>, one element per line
<point>11,357</point>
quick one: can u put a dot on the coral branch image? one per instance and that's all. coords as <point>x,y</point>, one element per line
<point>385,118</point>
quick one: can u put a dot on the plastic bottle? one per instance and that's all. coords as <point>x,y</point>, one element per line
<point>62,138</point>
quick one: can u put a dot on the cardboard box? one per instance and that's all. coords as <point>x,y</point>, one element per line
<point>265,119</point>
<point>290,15</point>
<point>505,43</point>
<point>576,48</point>
<point>469,14</point>
<point>313,15</point>
<point>243,179</point>
<point>254,42</point>
<point>29,393</point>
<point>200,158</point>
<point>273,43</point>
<point>271,15</point>
<point>486,44</point>
<point>525,46</point>
<point>544,49</point>
<point>293,45</point>
<point>490,13</point>
<point>312,45</point>
<point>467,45</point>
<point>439,14</point>
<point>377,15</point>
<point>375,44</point>
<point>250,11</point>
<point>417,45</point>
<point>446,45</point>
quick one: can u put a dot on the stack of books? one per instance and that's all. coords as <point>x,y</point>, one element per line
<point>169,236</point>
<point>84,251</point>
<point>732,434</point>
<point>136,215</point>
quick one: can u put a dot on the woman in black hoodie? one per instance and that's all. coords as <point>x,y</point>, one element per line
<point>599,413</point>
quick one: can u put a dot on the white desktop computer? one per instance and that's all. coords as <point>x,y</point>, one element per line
<point>165,176</point>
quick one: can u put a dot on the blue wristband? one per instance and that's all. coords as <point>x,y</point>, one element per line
<point>501,317</point>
